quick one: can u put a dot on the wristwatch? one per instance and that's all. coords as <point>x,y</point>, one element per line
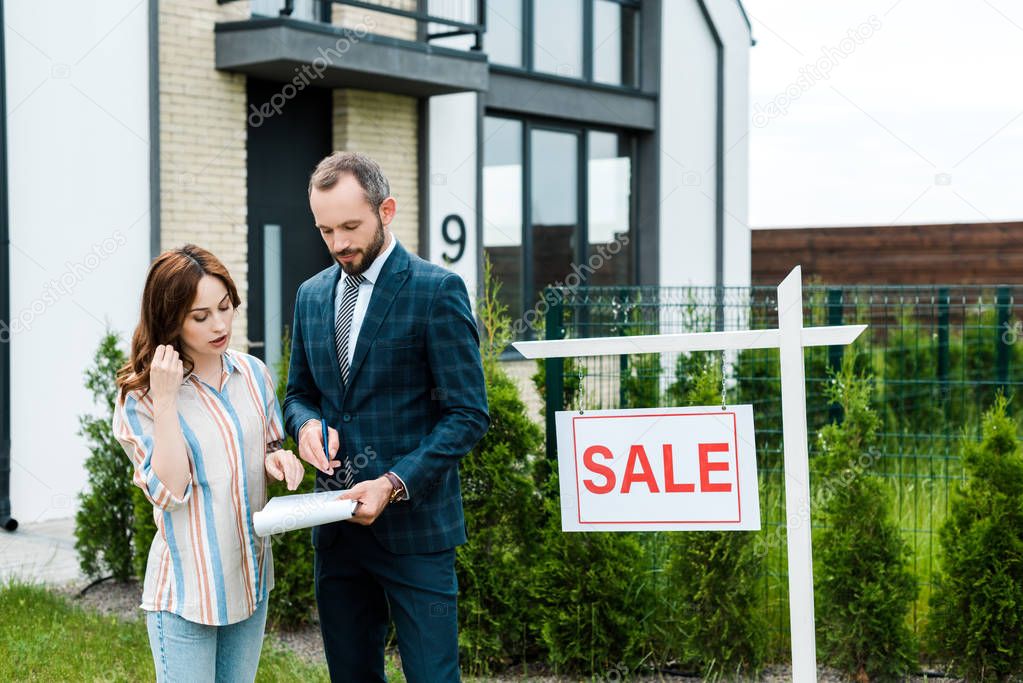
<point>398,493</point>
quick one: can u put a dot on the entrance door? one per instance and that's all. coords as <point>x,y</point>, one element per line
<point>285,248</point>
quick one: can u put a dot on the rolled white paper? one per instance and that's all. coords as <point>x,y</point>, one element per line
<point>301,511</point>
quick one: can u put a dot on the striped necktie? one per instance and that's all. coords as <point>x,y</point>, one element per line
<point>342,330</point>
<point>343,322</point>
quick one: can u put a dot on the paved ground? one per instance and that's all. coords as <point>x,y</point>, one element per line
<point>42,552</point>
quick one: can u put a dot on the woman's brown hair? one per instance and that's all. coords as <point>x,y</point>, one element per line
<point>170,290</point>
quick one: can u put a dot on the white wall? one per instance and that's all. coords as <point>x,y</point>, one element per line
<point>735,35</point>
<point>452,154</point>
<point>688,119</point>
<point>77,108</point>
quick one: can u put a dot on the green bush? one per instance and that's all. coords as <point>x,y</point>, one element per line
<point>712,621</point>
<point>592,593</point>
<point>715,623</point>
<point>692,369</point>
<point>911,406</point>
<point>104,523</point>
<point>143,530</point>
<point>594,596</point>
<point>501,514</point>
<point>640,373</point>
<point>641,381</point>
<point>864,587</point>
<point>977,604</point>
<point>293,599</point>
<point>573,374</point>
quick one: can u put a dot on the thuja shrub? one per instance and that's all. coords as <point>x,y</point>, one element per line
<point>143,531</point>
<point>594,598</point>
<point>497,619</point>
<point>104,523</point>
<point>293,599</point>
<point>711,622</point>
<point>976,619</point>
<point>640,383</point>
<point>592,593</point>
<point>640,379</point>
<point>864,588</point>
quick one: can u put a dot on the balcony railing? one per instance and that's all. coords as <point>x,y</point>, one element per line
<point>435,19</point>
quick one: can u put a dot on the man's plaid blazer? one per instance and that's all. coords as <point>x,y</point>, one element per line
<point>415,402</point>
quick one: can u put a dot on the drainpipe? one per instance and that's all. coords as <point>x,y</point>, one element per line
<point>6,521</point>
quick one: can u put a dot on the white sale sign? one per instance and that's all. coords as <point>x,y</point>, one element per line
<point>658,469</point>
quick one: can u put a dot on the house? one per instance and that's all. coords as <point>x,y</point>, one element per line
<point>571,141</point>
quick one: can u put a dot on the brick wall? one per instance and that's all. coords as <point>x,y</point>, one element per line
<point>202,141</point>
<point>385,127</point>
<point>965,253</point>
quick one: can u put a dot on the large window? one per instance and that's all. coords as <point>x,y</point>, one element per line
<point>557,208</point>
<point>615,45</point>
<point>553,235</point>
<point>558,37</point>
<point>502,207</point>
<point>609,202</point>
<point>593,40</point>
<point>503,39</point>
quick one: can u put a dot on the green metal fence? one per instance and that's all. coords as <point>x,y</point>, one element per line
<point>938,356</point>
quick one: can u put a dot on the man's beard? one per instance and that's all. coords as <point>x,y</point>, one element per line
<point>368,255</point>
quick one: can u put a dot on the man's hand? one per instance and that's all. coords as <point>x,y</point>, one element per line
<point>310,446</point>
<point>283,464</point>
<point>372,496</point>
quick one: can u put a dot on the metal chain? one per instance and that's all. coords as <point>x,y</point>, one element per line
<point>723,396</point>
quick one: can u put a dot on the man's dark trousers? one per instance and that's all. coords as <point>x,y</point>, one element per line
<point>360,586</point>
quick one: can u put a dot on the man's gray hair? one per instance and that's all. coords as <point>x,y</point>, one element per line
<point>366,171</point>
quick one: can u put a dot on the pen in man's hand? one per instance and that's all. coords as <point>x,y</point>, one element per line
<point>326,445</point>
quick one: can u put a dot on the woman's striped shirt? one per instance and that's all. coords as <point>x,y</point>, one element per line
<point>206,563</point>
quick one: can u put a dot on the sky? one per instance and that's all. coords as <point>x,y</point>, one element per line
<point>885,112</point>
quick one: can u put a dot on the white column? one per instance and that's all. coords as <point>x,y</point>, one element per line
<point>452,141</point>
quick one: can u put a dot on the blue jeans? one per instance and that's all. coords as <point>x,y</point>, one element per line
<point>186,651</point>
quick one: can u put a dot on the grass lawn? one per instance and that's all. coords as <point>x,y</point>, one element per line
<point>45,638</point>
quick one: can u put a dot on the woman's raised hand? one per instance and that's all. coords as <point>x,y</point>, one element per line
<point>165,375</point>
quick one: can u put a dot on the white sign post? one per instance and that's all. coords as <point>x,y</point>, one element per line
<point>790,338</point>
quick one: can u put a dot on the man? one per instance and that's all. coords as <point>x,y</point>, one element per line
<point>385,350</point>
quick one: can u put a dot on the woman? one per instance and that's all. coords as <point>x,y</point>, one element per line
<point>202,427</point>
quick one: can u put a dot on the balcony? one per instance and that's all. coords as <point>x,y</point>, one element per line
<point>409,47</point>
